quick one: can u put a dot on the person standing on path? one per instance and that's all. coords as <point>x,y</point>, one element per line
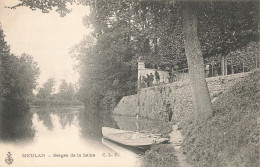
<point>157,77</point>
<point>170,114</point>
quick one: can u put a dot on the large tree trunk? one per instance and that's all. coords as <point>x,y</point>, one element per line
<point>200,92</point>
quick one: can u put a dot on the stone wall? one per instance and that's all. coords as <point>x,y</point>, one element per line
<point>178,94</point>
<point>126,106</point>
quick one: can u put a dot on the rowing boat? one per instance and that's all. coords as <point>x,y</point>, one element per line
<point>131,138</point>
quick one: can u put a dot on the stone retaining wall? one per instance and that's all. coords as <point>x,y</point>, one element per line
<point>178,94</point>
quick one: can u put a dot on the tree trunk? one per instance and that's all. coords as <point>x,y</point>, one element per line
<point>223,65</point>
<point>232,69</point>
<point>200,92</point>
<point>225,59</point>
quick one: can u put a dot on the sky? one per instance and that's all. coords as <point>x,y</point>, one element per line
<point>46,37</point>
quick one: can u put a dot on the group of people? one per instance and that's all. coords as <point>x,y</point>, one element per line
<point>149,79</point>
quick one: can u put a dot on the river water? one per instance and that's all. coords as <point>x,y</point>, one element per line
<point>64,136</point>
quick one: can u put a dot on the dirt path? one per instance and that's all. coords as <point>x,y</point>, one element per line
<point>176,140</point>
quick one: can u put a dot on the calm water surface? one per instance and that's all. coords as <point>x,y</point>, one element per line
<point>61,137</point>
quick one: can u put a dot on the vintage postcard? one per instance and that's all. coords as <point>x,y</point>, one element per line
<point>129,83</point>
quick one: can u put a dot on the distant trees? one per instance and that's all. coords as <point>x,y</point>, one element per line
<point>47,89</point>
<point>66,94</point>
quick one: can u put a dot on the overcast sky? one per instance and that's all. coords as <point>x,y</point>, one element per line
<point>47,37</point>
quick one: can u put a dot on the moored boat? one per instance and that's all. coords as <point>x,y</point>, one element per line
<point>130,138</point>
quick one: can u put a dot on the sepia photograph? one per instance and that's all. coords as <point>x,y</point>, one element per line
<point>129,83</point>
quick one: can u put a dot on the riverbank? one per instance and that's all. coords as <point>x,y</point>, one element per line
<point>229,138</point>
<point>167,155</point>
<point>53,107</point>
<point>158,155</point>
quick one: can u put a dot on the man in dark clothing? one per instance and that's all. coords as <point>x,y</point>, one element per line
<point>157,77</point>
<point>170,114</point>
<point>148,80</point>
<point>152,79</point>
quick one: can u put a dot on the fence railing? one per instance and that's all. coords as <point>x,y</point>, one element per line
<point>211,70</point>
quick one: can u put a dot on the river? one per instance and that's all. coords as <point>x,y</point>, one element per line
<point>61,136</point>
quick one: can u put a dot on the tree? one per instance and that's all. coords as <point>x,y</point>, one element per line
<point>63,87</point>
<point>227,27</point>
<point>4,50</point>
<point>19,79</point>
<point>66,92</point>
<point>200,92</point>
<point>47,89</point>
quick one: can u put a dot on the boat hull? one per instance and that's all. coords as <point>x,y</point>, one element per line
<point>131,138</point>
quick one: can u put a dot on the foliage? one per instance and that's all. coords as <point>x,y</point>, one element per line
<point>19,80</point>
<point>46,6</point>
<point>105,76</point>
<point>160,155</point>
<point>66,94</point>
<point>227,26</point>
<point>48,88</point>
<point>4,50</point>
<point>249,55</point>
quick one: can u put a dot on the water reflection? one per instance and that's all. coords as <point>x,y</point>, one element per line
<point>66,119</point>
<point>91,125</point>
<point>16,124</point>
<point>44,115</point>
<point>61,131</point>
<point>67,116</point>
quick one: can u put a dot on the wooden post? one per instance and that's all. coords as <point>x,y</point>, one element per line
<point>141,66</point>
<point>163,79</point>
<point>232,70</point>
<point>212,71</point>
<point>182,77</point>
<point>256,62</point>
<point>243,67</point>
<point>222,64</point>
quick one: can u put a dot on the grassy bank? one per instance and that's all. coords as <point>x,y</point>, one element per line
<point>161,155</point>
<point>231,136</point>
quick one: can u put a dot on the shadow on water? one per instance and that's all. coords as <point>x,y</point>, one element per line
<point>16,124</point>
<point>91,122</point>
